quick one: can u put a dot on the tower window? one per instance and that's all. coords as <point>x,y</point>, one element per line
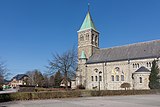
<point>81,38</point>
<point>87,36</point>
<point>96,41</point>
<point>92,39</point>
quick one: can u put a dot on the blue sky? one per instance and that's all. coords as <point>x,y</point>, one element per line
<point>30,30</point>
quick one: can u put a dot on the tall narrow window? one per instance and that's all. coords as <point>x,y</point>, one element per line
<point>133,65</point>
<point>150,64</point>
<point>92,78</point>
<point>140,79</point>
<point>147,64</point>
<point>87,36</point>
<point>117,77</point>
<point>96,78</point>
<point>100,78</point>
<point>122,77</point>
<point>92,38</point>
<point>96,41</point>
<point>112,77</point>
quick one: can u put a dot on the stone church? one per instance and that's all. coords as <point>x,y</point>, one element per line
<point>107,69</point>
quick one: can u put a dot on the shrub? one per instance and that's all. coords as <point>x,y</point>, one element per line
<point>80,87</point>
<point>125,85</point>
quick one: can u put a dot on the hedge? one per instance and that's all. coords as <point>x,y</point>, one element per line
<point>123,92</point>
<point>37,95</point>
<point>68,94</point>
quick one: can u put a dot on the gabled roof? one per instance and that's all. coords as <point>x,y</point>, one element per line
<point>143,69</point>
<point>150,49</point>
<point>88,23</point>
<point>20,76</point>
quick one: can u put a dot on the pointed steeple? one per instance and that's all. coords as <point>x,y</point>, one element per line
<point>88,22</point>
<point>83,56</point>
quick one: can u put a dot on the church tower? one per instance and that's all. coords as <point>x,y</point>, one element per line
<point>88,37</point>
<point>88,43</point>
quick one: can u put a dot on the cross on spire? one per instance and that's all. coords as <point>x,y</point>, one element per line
<point>88,6</point>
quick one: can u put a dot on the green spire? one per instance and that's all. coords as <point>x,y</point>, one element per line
<point>83,56</point>
<point>87,23</point>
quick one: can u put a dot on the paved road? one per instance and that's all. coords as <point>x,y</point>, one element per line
<point>109,101</point>
<point>8,91</point>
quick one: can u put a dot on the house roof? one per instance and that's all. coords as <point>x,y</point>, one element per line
<point>20,76</point>
<point>88,23</point>
<point>143,69</point>
<point>150,49</point>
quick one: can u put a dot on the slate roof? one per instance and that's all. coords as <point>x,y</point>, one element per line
<point>150,49</point>
<point>143,69</point>
<point>19,76</point>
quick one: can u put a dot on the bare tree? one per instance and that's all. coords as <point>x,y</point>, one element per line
<point>3,72</point>
<point>65,63</point>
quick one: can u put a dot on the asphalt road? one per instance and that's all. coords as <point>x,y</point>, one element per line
<point>109,101</point>
<point>8,91</point>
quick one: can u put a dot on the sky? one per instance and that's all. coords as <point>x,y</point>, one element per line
<point>32,30</point>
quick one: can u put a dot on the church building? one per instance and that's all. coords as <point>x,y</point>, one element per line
<point>107,69</point>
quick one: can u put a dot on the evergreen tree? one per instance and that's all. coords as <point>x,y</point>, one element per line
<point>51,81</point>
<point>153,78</point>
<point>57,79</point>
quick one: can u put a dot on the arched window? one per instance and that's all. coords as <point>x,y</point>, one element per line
<point>150,64</point>
<point>122,77</point>
<point>137,65</point>
<point>117,77</point>
<point>96,40</point>
<point>100,78</point>
<point>92,78</point>
<point>92,38</point>
<point>112,77</point>
<point>147,64</point>
<point>140,79</point>
<point>133,65</point>
<point>96,78</point>
<point>81,38</point>
<point>87,36</point>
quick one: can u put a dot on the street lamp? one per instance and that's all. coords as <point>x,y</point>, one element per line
<point>99,79</point>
